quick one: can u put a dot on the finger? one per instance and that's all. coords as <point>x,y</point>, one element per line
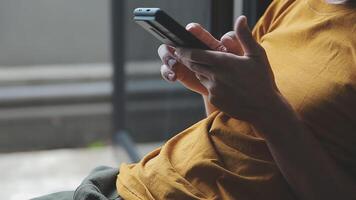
<point>203,35</point>
<point>167,74</point>
<point>199,69</point>
<point>204,81</point>
<point>232,44</point>
<point>244,35</point>
<point>166,53</point>
<point>210,59</point>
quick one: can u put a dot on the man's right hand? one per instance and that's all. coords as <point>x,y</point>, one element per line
<point>172,70</point>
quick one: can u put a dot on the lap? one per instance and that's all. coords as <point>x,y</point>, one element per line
<point>100,184</point>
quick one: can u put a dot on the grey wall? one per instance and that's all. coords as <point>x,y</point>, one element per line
<point>34,32</point>
<point>53,31</point>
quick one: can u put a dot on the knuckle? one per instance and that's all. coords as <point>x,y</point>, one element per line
<point>229,35</point>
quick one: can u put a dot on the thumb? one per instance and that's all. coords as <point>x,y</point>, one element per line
<point>244,35</point>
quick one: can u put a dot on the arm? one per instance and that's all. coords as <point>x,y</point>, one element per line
<point>303,162</point>
<point>307,167</point>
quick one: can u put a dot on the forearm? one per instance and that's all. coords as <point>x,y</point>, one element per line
<point>302,160</point>
<point>209,108</point>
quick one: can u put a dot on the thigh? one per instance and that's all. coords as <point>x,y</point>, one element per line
<point>100,184</point>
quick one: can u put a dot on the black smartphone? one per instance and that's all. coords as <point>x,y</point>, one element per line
<point>166,29</point>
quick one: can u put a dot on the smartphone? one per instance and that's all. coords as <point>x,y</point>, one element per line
<point>166,29</point>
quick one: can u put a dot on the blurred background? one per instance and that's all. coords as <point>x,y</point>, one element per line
<point>80,87</point>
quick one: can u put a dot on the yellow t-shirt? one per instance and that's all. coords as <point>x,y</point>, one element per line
<point>311,46</point>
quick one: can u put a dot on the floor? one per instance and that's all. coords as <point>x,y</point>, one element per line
<point>30,174</point>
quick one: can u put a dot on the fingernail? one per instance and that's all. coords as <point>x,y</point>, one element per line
<point>171,62</point>
<point>189,26</point>
<point>192,25</point>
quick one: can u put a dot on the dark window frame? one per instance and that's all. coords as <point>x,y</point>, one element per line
<point>254,9</point>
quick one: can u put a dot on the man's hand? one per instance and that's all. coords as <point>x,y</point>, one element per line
<point>172,70</point>
<point>240,85</point>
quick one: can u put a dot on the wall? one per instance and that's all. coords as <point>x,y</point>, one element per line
<point>39,32</point>
<point>36,32</point>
